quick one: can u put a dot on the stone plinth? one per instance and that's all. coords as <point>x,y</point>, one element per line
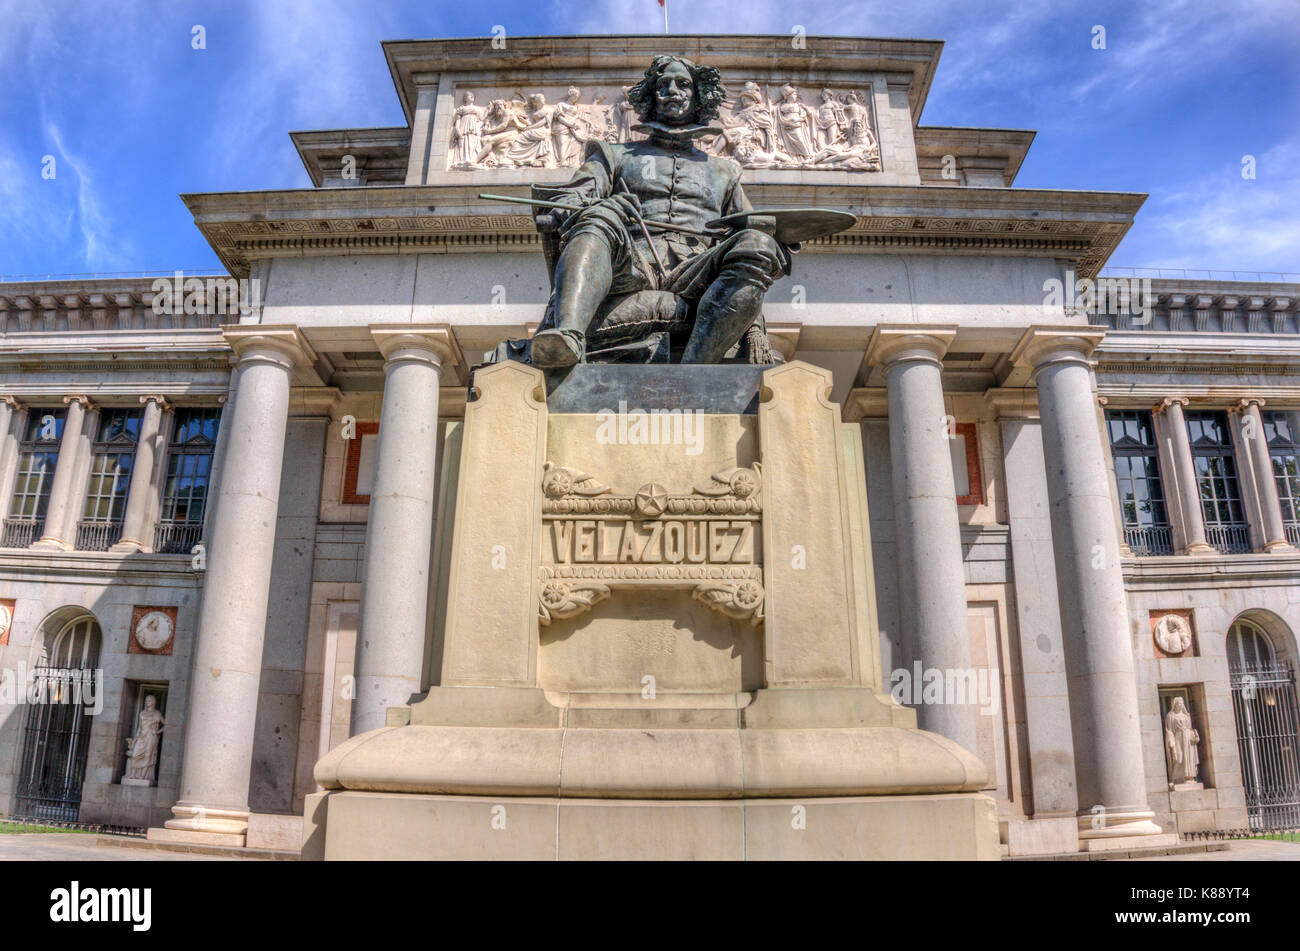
<point>660,643</point>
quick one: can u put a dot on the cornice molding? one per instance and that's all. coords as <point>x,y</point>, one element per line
<point>1083,227</point>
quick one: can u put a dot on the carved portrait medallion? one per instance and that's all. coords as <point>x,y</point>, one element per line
<point>1173,633</point>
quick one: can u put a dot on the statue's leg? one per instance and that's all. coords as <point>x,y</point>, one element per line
<point>734,300</point>
<point>583,275</point>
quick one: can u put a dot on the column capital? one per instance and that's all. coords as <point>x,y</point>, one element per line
<point>434,339</point>
<point>163,402</point>
<point>314,400</point>
<point>866,402</point>
<point>1013,402</point>
<point>894,343</point>
<point>1040,346</point>
<point>12,401</point>
<point>281,343</point>
<point>1169,401</point>
<point>86,402</point>
<point>1243,405</point>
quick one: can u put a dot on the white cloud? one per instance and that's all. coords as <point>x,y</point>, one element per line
<point>101,247</point>
<point>306,66</point>
<point>1225,221</point>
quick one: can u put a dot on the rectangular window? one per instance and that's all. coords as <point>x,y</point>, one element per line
<point>37,454</point>
<point>1216,477</point>
<point>1137,481</point>
<point>963,444</point>
<point>1281,431</point>
<point>189,473</point>
<point>359,467</point>
<point>112,458</point>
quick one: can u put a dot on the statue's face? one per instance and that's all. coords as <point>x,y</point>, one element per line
<point>149,702</point>
<point>468,99</point>
<point>675,95</point>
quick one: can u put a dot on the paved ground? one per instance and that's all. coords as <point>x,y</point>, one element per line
<point>74,847</point>
<point>1245,850</point>
<point>61,846</point>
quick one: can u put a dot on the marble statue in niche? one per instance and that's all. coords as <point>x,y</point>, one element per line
<point>142,749</point>
<point>1181,742</point>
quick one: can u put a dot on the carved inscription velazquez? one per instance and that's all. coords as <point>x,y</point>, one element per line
<point>707,540</point>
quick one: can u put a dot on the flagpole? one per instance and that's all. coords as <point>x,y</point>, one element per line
<point>665,17</point>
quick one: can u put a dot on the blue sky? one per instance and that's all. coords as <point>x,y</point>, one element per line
<point>134,116</point>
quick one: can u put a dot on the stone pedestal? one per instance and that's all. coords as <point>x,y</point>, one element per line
<point>660,643</point>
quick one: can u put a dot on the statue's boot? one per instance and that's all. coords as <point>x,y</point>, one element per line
<point>731,304</point>
<point>555,349</point>
<point>583,275</point>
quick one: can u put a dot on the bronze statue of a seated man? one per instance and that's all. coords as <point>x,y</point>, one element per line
<point>612,248</point>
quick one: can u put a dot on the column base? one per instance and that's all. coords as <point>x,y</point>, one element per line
<point>1200,548</point>
<point>167,836</point>
<point>127,546</point>
<point>50,544</point>
<point>1122,842</point>
<point>1112,825</point>
<point>197,824</point>
<point>1280,548</point>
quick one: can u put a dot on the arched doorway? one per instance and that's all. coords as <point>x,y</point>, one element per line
<point>56,728</point>
<point>1268,724</point>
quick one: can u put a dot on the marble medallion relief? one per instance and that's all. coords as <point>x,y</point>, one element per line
<point>776,127</point>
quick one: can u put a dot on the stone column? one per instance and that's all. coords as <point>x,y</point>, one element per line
<point>62,488</point>
<point>1186,489</point>
<point>148,449</point>
<point>213,806</point>
<point>1261,463</point>
<point>931,577</point>
<point>399,538</point>
<point>1090,587</point>
<point>10,409</point>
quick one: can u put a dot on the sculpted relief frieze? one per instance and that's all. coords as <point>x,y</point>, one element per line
<point>760,127</point>
<point>706,540</point>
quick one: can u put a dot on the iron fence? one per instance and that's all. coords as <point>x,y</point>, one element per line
<point>98,535</point>
<point>1147,540</point>
<point>21,532</point>
<point>1231,538</point>
<point>176,538</point>
<point>1268,731</point>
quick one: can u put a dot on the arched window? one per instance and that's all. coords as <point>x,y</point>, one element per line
<point>56,731</point>
<point>1249,647</point>
<point>1267,717</point>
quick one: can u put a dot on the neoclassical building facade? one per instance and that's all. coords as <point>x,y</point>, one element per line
<point>233,493</point>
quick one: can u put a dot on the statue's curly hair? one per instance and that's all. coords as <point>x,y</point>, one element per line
<point>709,94</point>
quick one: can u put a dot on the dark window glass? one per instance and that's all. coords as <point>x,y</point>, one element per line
<point>189,466</point>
